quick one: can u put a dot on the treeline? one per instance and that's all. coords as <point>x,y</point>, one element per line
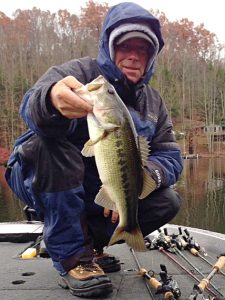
<point>190,71</point>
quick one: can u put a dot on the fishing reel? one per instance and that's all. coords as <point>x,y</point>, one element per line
<point>159,241</point>
<point>183,242</point>
<point>168,283</point>
<point>167,242</point>
<point>162,240</point>
<point>203,297</point>
<point>191,243</point>
<point>195,295</point>
<point>148,243</point>
<point>175,240</point>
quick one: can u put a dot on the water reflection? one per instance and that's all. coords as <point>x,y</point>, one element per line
<point>203,191</point>
<point>201,186</point>
<point>11,209</point>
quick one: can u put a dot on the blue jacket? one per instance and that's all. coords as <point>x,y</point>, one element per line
<point>146,107</point>
<point>46,169</point>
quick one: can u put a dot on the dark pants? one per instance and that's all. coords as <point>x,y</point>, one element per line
<point>160,207</point>
<point>47,175</point>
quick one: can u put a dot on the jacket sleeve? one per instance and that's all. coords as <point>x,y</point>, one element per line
<point>36,108</point>
<point>165,161</point>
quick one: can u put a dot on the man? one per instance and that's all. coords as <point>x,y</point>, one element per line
<point>48,173</point>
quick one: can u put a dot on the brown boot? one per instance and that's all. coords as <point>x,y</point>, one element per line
<point>107,262</point>
<point>86,280</point>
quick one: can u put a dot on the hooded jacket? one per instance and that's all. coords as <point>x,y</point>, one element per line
<point>147,109</point>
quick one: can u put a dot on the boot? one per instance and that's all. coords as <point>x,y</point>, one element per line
<point>86,280</point>
<point>107,262</point>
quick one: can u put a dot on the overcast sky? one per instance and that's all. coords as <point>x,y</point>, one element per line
<point>211,13</point>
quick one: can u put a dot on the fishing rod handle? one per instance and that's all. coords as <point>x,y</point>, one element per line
<point>143,272</point>
<point>153,281</point>
<point>219,264</point>
<point>183,243</point>
<point>169,296</point>
<point>203,284</point>
<point>194,252</point>
<point>167,238</point>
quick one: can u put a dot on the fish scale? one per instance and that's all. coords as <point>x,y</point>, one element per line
<point>107,154</point>
<point>120,162</point>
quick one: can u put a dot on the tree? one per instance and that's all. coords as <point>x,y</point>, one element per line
<point>190,72</point>
<point>91,20</point>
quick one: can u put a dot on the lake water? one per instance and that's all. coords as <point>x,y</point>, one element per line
<point>201,186</point>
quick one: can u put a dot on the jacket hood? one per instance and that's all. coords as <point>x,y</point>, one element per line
<point>126,13</point>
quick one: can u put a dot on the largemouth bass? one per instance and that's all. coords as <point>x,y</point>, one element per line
<point>120,156</point>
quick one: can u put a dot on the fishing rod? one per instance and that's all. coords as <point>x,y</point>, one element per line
<point>191,243</point>
<point>163,241</point>
<point>199,289</point>
<point>169,282</point>
<point>170,293</point>
<point>176,242</point>
<point>183,268</point>
<point>196,253</point>
<point>188,244</point>
<point>143,274</point>
<point>189,262</point>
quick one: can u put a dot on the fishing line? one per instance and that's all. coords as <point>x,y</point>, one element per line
<point>196,253</point>
<point>168,294</point>
<point>199,289</point>
<point>178,252</point>
<point>182,267</point>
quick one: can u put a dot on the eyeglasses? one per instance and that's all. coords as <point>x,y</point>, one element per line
<point>127,48</point>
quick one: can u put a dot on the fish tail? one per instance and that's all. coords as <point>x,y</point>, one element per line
<point>134,239</point>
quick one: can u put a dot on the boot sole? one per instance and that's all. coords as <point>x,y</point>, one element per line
<point>93,291</point>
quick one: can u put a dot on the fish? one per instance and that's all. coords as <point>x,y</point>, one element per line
<point>120,156</point>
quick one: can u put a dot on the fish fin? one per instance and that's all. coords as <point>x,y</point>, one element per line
<point>144,148</point>
<point>134,239</point>
<point>101,137</point>
<point>149,185</point>
<point>88,149</point>
<point>103,199</point>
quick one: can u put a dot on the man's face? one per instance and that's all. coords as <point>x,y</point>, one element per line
<point>131,57</point>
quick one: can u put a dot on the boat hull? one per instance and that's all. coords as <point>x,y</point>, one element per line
<point>35,278</point>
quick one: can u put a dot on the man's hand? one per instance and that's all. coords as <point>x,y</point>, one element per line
<point>66,101</point>
<point>115,214</point>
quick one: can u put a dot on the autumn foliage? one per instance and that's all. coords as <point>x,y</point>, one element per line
<point>190,71</point>
<point>4,155</point>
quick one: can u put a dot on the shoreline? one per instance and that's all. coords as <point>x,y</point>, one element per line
<point>187,156</point>
<point>203,155</point>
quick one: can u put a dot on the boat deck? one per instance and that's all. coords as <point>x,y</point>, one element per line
<point>35,278</point>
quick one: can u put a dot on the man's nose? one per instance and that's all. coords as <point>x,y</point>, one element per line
<point>133,53</point>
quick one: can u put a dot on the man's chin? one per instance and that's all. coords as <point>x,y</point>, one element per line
<point>134,79</point>
<point>131,76</point>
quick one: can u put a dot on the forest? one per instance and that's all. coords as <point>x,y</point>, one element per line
<point>189,75</point>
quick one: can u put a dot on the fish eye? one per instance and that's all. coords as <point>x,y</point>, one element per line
<point>111,91</point>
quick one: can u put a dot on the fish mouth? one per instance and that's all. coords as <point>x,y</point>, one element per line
<point>101,108</point>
